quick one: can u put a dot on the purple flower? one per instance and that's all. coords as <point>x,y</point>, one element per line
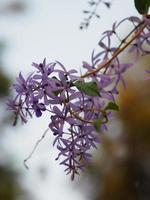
<point>78,114</point>
<point>148,73</point>
<point>38,108</point>
<point>22,86</point>
<point>19,113</point>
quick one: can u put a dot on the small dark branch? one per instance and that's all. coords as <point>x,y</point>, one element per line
<point>93,12</point>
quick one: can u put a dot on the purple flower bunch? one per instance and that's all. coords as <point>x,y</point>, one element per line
<point>80,106</point>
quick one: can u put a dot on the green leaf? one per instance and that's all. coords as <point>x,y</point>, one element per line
<point>97,124</point>
<point>4,84</point>
<point>57,92</point>
<point>142,6</point>
<point>89,88</point>
<point>112,106</point>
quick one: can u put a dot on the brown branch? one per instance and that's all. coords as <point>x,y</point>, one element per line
<point>116,53</point>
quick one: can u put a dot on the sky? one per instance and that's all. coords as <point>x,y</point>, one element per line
<point>50,28</point>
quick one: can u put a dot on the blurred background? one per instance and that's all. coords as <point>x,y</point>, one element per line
<point>31,30</point>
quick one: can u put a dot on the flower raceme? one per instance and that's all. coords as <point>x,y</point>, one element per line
<point>80,106</point>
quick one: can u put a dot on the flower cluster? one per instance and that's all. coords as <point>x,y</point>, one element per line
<point>80,106</point>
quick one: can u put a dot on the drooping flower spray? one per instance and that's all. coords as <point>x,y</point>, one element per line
<point>80,105</point>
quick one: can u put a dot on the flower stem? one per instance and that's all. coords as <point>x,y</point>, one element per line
<point>116,53</point>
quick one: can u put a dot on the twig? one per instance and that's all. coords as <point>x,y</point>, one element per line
<point>35,147</point>
<point>116,53</point>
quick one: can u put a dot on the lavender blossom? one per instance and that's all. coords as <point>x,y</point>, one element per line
<point>80,106</point>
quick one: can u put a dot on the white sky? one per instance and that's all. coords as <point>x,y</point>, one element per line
<point>50,29</point>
